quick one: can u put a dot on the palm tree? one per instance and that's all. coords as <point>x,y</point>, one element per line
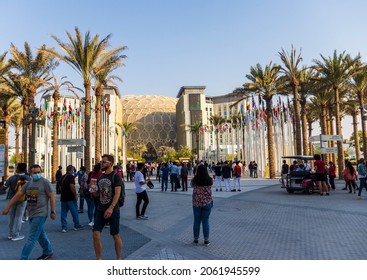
<point>266,83</point>
<point>55,88</point>
<point>195,129</point>
<point>311,116</point>
<point>16,122</point>
<point>336,71</point>
<point>82,55</point>
<point>9,106</point>
<point>307,87</point>
<point>358,86</point>
<point>109,62</point>
<point>351,108</point>
<point>34,71</point>
<point>14,85</point>
<point>217,121</point>
<point>291,73</point>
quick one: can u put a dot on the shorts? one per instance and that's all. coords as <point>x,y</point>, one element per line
<point>319,177</point>
<point>100,222</point>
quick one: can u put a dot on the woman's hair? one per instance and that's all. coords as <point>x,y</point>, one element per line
<point>317,157</point>
<point>97,167</point>
<point>202,177</point>
<point>351,168</point>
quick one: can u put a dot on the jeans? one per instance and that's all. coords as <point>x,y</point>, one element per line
<point>174,182</point>
<point>90,204</point>
<point>15,218</point>
<point>227,183</point>
<point>201,216</point>
<point>73,207</point>
<point>81,201</point>
<point>332,181</point>
<point>218,182</point>
<point>184,182</point>
<point>164,182</point>
<point>141,196</point>
<point>36,233</point>
<point>362,184</point>
<point>237,182</point>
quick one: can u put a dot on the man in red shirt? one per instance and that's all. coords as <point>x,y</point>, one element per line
<point>320,175</point>
<point>237,176</point>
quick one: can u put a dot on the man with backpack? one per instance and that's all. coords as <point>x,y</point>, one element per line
<point>16,211</point>
<point>41,203</point>
<point>110,187</point>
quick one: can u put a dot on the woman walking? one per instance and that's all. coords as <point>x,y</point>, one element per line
<point>350,177</point>
<point>202,202</point>
<point>332,175</point>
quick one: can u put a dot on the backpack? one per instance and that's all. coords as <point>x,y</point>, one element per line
<point>18,187</point>
<point>122,193</point>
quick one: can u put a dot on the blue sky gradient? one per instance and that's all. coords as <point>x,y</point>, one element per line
<point>187,43</point>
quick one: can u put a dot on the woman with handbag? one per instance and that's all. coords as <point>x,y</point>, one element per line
<point>202,202</point>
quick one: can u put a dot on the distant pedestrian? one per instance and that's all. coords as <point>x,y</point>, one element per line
<point>202,203</point>
<point>39,195</point>
<point>16,211</point>
<point>237,171</point>
<point>164,170</point>
<point>218,176</point>
<point>285,171</point>
<point>320,175</point>
<point>332,175</point>
<point>184,174</point>
<point>350,177</point>
<point>362,173</point>
<point>58,177</point>
<point>174,177</point>
<point>82,180</point>
<point>69,200</point>
<point>141,193</point>
<point>226,176</point>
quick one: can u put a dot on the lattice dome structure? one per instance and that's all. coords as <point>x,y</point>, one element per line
<point>155,119</point>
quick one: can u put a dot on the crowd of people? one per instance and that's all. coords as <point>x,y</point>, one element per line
<point>101,190</point>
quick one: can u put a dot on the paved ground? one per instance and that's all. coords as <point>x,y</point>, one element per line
<point>263,222</point>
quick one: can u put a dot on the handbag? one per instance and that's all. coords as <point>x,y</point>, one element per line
<point>150,184</point>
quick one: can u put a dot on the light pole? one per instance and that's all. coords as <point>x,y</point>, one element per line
<point>31,118</point>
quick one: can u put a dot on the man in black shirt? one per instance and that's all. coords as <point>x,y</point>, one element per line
<point>109,187</point>
<point>69,200</point>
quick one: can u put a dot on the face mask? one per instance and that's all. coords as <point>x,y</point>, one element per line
<point>36,177</point>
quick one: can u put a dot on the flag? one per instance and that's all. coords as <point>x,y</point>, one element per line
<point>64,105</point>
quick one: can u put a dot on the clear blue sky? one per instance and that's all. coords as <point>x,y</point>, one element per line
<point>191,42</point>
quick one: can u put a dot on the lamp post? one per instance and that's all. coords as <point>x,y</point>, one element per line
<point>31,118</point>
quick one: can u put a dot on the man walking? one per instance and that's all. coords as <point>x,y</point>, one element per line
<point>109,187</point>
<point>174,176</point>
<point>226,176</point>
<point>165,172</point>
<point>39,194</point>
<point>16,211</point>
<point>218,176</point>
<point>141,193</point>
<point>69,200</point>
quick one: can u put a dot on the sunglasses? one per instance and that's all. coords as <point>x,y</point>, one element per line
<point>104,161</point>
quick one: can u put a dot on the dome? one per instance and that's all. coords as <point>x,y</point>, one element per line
<point>155,119</point>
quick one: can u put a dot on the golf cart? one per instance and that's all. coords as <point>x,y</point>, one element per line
<point>300,180</point>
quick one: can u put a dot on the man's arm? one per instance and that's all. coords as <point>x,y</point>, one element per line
<point>115,200</point>
<point>11,202</point>
<point>51,195</point>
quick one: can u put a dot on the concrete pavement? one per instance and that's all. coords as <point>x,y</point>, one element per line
<point>262,222</point>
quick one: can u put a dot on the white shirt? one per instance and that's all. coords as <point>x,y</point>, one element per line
<point>139,177</point>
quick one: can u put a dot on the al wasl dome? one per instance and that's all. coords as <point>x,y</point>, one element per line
<point>155,119</point>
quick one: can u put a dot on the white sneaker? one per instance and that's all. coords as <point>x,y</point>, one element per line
<point>143,217</point>
<point>19,237</point>
<point>91,224</point>
<point>64,230</point>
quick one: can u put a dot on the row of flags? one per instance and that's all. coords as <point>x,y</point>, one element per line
<point>73,114</point>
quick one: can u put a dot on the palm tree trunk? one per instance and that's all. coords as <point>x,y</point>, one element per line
<point>198,145</point>
<point>98,147</point>
<point>304,130</point>
<point>87,126</point>
<point>331,131</point>
<point>323,123</point>
<point>217,140</point>
<point>297,114</point>
<point>309,135</point>
<point>270,135</point>
<point>24,135</point>
<point>363,122</point>
<point>55,128</point>
<point>356,136</point>
<point>6,158</point>
<point>339,132</point>
<point>17,128</point>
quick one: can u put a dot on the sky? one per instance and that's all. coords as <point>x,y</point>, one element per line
<point>173,43</point>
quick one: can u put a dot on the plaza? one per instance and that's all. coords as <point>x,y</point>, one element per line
<point>263,222</point>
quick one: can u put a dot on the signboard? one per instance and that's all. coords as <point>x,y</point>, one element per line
<point>79,155</point>
<point>80,142</point>
<point>74,149</point>
<point>327,150</point>
<point>324,137</point>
